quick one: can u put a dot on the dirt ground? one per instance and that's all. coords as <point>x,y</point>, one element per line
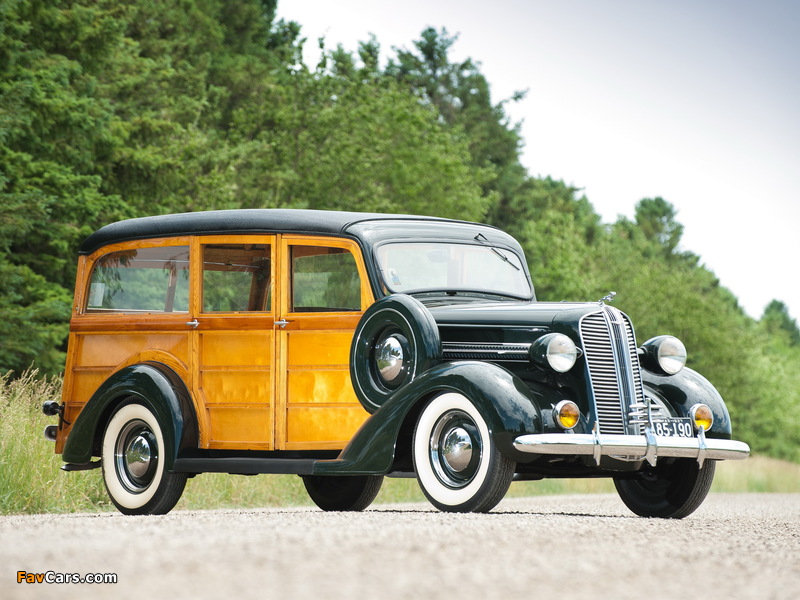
<point>735,546</point>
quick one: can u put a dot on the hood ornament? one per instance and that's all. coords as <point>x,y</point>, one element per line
<point>609,298</point>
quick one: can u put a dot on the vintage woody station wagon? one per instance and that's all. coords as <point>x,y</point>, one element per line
<point>344,347</point>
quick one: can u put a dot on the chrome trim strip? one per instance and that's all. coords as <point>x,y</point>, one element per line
<point>621,346</point>
<point>486,351</point>
<point>631,447</point>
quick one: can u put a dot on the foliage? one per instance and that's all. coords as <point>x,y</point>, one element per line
<point>777,323</point>
<point>111,109</point>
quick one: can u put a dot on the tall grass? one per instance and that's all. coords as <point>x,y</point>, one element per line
<point>30,477</point>
<point>31,480</point>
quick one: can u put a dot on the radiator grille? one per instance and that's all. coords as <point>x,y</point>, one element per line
<point>610,348</point>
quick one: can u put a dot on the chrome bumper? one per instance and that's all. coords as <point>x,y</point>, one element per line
<point>631,447</point>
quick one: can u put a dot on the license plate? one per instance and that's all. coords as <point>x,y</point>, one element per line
<point>674,427</point>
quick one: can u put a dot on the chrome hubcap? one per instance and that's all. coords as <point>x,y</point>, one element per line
<point>455,449</point>
<point>136,456</point>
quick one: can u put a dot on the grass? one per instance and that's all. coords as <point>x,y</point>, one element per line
<point>31,480</point>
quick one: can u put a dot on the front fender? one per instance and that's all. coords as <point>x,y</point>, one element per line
<point>153,385</point>
<point>684,390</point>
<point>501,397</point>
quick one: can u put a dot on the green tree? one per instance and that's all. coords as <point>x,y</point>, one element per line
<point>559,232</point>
<point>462,96</point>
<point>655,217</point>
<point>342,137</point>
<point>54,134</point>
<point>777,321</point>
<point>116,109</point>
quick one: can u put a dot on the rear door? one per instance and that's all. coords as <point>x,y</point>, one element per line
<point>234,341</point>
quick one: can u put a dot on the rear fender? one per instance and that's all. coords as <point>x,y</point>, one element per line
<point>152,384</point>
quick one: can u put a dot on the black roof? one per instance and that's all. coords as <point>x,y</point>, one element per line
<point>242,221</point>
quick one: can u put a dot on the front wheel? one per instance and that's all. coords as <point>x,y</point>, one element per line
<point>668,491</point>
<point>133,464</point>
<point>343,493</point>
<point>458,466</point>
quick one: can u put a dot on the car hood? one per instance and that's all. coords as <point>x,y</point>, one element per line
<point>512,314</point>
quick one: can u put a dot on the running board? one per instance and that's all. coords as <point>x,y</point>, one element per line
<point>245,465</point>
<point>70,467</point>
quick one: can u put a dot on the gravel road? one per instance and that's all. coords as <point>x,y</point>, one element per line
<point>583,547</point>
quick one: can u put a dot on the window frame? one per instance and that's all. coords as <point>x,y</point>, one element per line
<point>286,244</point>
<point>236,240</point>
<point>87,270</point>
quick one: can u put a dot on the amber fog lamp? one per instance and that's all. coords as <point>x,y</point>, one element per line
<point>702,417</point>
<point>567,414</point>
<point>664,354</point>
<point>556,351</point>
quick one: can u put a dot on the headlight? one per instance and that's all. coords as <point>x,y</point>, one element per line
<point>556,351</point>
<point>665,354</point>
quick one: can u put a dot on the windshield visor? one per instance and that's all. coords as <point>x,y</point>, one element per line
<point>436,267</point>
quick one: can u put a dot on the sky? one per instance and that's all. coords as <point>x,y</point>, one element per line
<point>694,101</point>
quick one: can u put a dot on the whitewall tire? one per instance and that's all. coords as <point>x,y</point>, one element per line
<point>458,465</point>
<point>133,457</point>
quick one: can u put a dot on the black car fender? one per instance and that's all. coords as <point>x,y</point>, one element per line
<point>503,399</point>
<point>685,389</point>
<point>152,384</point>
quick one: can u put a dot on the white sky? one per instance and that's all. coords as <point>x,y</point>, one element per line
<point>697,102</point>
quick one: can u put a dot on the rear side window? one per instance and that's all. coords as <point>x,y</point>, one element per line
<point>236,278</point>
<point>141,280</point>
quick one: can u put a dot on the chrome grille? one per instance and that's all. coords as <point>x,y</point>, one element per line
<point>610,348</point>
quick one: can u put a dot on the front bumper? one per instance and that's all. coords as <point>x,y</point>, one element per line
<point>631,447</point>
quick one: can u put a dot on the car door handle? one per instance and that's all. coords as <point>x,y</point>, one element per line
<point>282,323</point>
<point>193,323</point>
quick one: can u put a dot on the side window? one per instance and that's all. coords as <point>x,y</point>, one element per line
<point>236,278</point>
<point>141,280</point>
<point>324,280</point>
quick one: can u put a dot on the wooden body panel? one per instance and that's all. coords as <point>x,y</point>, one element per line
<point>321,408</point>
<point>255,384</point>
<point>235,387</point>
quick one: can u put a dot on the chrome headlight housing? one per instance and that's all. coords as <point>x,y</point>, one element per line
<point>555,350</point>
<point>664,354</point>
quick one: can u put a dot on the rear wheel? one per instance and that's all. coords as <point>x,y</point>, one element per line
<point>458,465</point>
<point>343,493</point>
<point>133,464</point>
<point>669,490</point>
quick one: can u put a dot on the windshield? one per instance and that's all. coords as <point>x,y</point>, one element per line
<point>432,266</point>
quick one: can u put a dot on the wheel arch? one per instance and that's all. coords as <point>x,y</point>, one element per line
<point>152,384</point>
<point>502,398</point>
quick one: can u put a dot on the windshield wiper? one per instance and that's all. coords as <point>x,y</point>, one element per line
<point>481,239</point>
